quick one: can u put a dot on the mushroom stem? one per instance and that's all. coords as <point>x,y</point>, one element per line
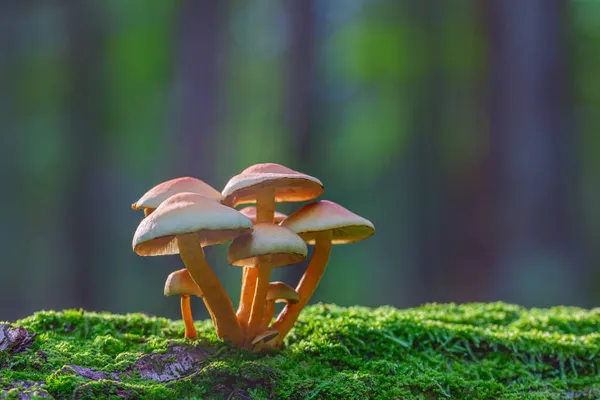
<point>260,298</point>
<point>265,211</point>
<point>265,206</point>
<point>217,300</point>
<point>306,287</point>
<point>186,314</point>
<point>249,276</point>
<point>269,312</point>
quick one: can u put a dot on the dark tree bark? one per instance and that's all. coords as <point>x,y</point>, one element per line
<point>300,77</point>
<point>86,190</point>
<point>198,73</point>
<point>299,92</point>
<point>454,216</point>
<point>529,125</point>
<point>426,176</point>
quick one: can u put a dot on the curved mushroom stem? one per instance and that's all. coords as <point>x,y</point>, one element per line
<point>249,276</point>
<point>217,300</point>
<point>265,211</point>
<point>186,314</point>
<point>269,312</point>
<point>306,287</point>
<point>260,298</point>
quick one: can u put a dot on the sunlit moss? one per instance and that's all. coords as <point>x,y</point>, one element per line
<point>434,351</point>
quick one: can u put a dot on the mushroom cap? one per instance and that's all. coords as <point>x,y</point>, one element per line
<point>265,336</point>
<point>270,243</point>
<point>324,215</point>
<point>163,191</point>
<point>289,185</point>
<point>181,283</point>
<point>250,212</point>
<point>188,213</point>
<point>281,292</point>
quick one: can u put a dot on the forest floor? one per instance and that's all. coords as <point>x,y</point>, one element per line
<point>473,351</point>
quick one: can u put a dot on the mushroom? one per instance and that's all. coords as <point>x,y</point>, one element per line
<point>265,184</point>
<point>262,338</point>
<point>265,336</point>
<point>322,223</point>
<point>268,246</point>
<point>183,224</point>
<point>181,283</point>
<point>159,193</point>
<point>250,212</point>
<point>278,292</point>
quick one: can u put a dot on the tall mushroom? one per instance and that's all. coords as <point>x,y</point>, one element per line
<point>183,224</point>
<point>268,246</point>
<point>181,283</point>
<point>279,292</point>
<point>322,223</point>
<point>265,184</point>
<point>161,192</point>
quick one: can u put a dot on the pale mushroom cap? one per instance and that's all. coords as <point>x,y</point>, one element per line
<point>265,336</point>
<point>250,212</point>
<point>161,192</point>
<point>181,283</point>
<point>324,215</point>
<point>289,185</point>
<point>281,292</point>
<point>267,243</point>
<point>188,213</point>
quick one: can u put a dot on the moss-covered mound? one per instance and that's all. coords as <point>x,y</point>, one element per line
<point>434,351</point>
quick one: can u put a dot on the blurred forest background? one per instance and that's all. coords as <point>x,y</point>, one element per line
<point>467,131</point>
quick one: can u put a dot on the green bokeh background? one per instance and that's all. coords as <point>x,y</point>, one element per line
<point>467,131</point>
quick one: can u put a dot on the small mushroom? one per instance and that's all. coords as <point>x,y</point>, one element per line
<point>278,292</point>
<point>161,192</point>
<point>265,336</point>
<point>183,224</point>
<point>250,212</point>
<point>322,223</point>
<point>265,184</point>
<point>268,246</point>
<point>262,338</point>
<point>181,283</point>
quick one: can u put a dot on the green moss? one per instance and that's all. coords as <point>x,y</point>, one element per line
<point>434,351</point>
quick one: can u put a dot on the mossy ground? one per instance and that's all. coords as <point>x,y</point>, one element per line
<point>434,351</point>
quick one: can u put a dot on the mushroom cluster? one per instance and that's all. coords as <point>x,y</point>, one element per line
<point>184,215</point>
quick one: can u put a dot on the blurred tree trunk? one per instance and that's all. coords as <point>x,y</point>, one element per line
<point>426,182</point>
<point>529,123</point>
<point>453,213</point>
<point>85,193</point>
<point>299,94</point>
<point>10,15</point>
<point>198,76</point>
<point>300,74</point>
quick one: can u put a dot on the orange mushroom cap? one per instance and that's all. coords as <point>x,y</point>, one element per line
<point>161,192</point>
<point>275,244</point>
<point>325,215</point>
<point>288,185</point>
<point>265,336</point>
<point>181,283</point>
<point>280,292</point>
<point>184,213</point>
